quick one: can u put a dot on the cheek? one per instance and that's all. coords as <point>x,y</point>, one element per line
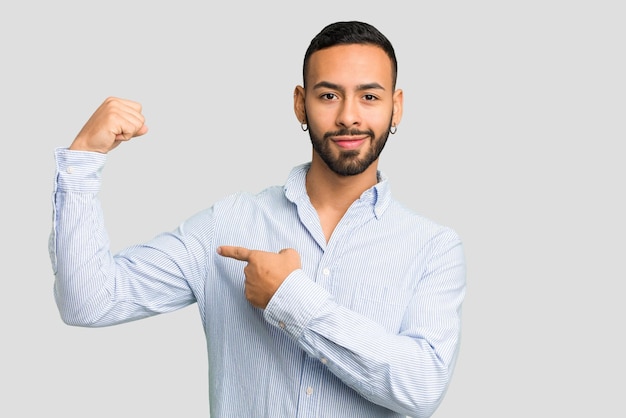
<point>320,121</point>
<point>378,121</point>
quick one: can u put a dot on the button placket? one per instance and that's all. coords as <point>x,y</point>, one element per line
<point>310,385</point>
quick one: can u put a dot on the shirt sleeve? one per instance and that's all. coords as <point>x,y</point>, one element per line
<point>408,371</point>
<point>93,287</point>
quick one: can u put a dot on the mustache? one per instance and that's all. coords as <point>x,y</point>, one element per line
<point>349,132</point>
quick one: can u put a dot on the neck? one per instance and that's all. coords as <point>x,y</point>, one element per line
<point>327,189</point>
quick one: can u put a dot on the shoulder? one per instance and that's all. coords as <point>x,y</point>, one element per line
<point>420,226</point>
<point>247,203</point>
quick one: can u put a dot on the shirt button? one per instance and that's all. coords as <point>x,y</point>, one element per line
<point>324,360</point>
<point>70,170</point>
<point>281,324</point>
<point>326,271</point>
<point>309,391</point>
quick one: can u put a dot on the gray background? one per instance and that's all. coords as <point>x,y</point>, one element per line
<point>513,134</point>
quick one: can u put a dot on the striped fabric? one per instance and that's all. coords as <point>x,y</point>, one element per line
<point>368,327</point>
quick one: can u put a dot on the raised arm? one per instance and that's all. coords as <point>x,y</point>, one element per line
<point>92,286</point>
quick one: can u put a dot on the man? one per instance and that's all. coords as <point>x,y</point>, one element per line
<point>324,297</point>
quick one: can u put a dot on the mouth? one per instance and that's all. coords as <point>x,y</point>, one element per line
<point>349,142</point>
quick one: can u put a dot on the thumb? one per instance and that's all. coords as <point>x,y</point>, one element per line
<point>126,135</point>
<point>291,257</point>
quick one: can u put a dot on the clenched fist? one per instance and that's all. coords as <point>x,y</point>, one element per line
<point>116,120</point>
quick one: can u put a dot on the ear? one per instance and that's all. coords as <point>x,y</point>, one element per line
<point>298,104</point>
<point>398,99</point>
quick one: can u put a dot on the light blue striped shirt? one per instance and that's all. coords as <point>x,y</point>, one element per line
<point>368,327</point>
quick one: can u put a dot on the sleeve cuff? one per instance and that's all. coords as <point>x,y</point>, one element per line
<point>295,303</point>
<point>78,171</point>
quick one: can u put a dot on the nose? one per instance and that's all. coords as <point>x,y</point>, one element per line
<point>349,115</point>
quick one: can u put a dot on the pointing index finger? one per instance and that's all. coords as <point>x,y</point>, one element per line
<point>238,253</point>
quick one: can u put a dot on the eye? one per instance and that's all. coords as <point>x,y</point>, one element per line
<point>370,98</point>
<point>329,96</point>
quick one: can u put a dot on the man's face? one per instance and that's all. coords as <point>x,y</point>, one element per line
<point>349,106</point>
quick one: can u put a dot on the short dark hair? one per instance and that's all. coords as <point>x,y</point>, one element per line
<point>346,33</point>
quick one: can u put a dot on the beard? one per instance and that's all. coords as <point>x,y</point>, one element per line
<point>349,162</point>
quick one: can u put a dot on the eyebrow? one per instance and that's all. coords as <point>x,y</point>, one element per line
<point>360,87</point>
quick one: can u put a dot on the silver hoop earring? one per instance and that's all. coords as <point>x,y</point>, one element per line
<point>304,126</point>
<point>393,129</point>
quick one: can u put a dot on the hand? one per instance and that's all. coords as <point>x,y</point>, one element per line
<point>265,271</point>
<point>116,120</point>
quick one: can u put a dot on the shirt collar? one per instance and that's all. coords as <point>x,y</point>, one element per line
<point>378,196</point>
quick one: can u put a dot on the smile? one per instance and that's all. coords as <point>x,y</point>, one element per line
<point>349,142</point>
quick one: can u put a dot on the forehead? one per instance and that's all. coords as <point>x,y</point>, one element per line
<point>350,64</point>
